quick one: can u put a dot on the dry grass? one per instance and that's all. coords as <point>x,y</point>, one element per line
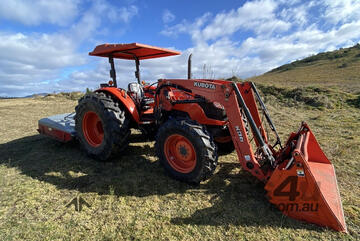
<point>133,198</point>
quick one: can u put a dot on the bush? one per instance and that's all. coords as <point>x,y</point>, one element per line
<point>343,65</point>
<point>234,78</point>
<point>310,96</point>
<point>354,102</point>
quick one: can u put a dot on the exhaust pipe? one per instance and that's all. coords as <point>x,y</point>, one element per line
<point>189,67</point>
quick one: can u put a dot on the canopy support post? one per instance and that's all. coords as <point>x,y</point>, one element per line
<point>112,70</point>
<point>137,72</point>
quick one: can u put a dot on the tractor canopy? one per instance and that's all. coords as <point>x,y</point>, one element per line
<point>131,51</point>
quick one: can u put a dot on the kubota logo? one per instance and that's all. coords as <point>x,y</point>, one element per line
<point>204,85</point>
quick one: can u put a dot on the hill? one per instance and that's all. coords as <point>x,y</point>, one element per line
<point>339,69</point>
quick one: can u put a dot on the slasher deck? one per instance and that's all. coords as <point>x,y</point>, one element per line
<point>60,127</point>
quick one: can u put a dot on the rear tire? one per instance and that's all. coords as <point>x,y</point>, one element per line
<point>186,150</point>
<point>225,147</point>
<point>101,125</point>
<point>228,147</point>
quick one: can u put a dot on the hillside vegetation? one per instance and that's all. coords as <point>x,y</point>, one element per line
<point>133,199</point>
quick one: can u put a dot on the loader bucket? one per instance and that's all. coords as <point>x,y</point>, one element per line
<point>306,187</point>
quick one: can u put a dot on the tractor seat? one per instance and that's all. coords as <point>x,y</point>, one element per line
<point>137,93</point>
<point>147,101</point>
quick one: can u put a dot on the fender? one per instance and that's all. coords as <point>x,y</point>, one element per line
<point>124,98</point>
<point>197,113</point>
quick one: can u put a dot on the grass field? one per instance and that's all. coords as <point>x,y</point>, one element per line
<point>132,198</point>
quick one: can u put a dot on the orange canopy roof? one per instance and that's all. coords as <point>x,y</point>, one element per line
<point>131,51</point>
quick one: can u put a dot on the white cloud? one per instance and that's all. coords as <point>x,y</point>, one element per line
<point>27,61</point>
<point>124,14</point>
<point>168,16</point>
<point>246,17</point>
<point>40,51</point>
<point>187,27</point>
<point>341,11</point>
<point>33,62</point>
<point>297,15</point>
<point>36,12</point>
<point>99,12</point>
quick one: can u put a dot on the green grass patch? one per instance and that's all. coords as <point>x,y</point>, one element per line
<point>306,97</point>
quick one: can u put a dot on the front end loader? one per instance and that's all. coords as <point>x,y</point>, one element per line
<point>195,119</point>
<point>298,177</point>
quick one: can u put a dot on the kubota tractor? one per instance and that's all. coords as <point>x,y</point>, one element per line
<point>193,120</point>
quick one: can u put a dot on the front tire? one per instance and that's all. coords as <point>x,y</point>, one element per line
<point>186,150</point>
<point>101,125</point>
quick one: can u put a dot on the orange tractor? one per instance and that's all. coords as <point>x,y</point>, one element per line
<point>193,120</point>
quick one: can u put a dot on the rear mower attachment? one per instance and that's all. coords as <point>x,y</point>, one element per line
<point>59,127</point>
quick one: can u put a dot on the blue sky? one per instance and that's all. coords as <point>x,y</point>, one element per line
<point>44,44</point>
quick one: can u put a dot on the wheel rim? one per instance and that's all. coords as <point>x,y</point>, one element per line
<point>93,129</point>
<point>180,153</point>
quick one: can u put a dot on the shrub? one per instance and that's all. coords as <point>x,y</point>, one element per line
<point>354,102</point>
<point>310,96</point>
<point>343,65</point>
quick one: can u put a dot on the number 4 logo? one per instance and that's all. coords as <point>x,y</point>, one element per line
<point>292,193</point>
